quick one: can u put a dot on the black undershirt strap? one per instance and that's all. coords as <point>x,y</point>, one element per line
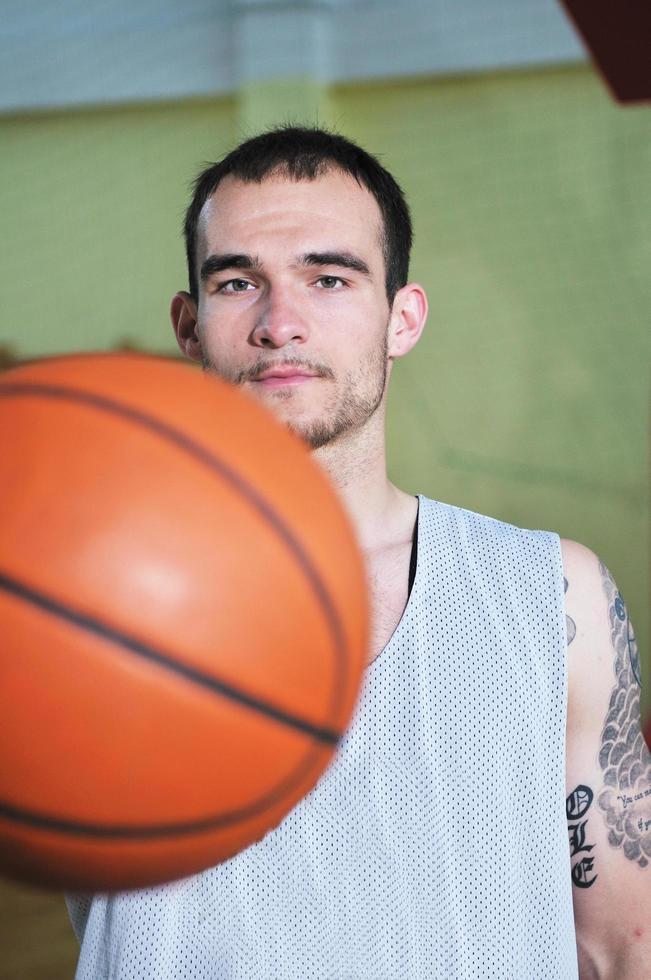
<point>414,554</point>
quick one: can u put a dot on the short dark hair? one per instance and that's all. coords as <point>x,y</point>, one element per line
<point>305,154</point>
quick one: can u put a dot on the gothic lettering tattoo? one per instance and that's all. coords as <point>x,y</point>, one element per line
<point>576,807</point>
<point>569,622</point>
<point>624,756</point>
<point>581,873</point>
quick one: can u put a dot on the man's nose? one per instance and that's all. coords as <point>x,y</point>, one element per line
<point>280,321</point>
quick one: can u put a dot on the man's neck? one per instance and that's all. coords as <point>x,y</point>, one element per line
<point>380,512</point>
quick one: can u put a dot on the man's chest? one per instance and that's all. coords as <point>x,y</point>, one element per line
<point>389,590</point>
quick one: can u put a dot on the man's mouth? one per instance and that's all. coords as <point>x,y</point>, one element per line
<point>281,376</point>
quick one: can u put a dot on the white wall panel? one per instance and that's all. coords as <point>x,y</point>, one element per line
<point>85,52</point>
<point>88,52</point>
<point>377,38</point>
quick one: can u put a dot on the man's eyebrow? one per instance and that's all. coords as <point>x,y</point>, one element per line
<point>344,259</point>
<point>237,260</point>
<point>228,260</point>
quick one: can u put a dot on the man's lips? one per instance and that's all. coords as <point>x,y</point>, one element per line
<point>275,377</point>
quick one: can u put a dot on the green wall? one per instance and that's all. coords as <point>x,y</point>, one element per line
<point>528,396</point>
<point>92,204</point>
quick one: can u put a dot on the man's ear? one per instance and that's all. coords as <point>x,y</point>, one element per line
<point>183,314</point>
<point>408,316</point>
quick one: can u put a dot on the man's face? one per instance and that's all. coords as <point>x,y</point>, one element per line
<point>292,301</point>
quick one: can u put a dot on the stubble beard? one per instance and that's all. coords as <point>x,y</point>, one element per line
<point>360,396</point>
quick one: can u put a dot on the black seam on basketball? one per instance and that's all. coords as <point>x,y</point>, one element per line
<point>129,832</point>
<point>96,626</point>
<point>121,831</point>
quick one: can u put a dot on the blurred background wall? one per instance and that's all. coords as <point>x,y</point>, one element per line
<point>527,398</point>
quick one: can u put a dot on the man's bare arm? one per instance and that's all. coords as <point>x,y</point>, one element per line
<point>608,777</point>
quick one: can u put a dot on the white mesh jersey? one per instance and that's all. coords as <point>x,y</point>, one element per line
<point>435,845</point>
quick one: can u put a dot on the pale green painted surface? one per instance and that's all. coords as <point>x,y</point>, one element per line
<point>527,398</point>
<point>92,207</point>
<point>283,102</point>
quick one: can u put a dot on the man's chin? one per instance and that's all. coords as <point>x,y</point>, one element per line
<point>281,402</point>
<point>314,434</point>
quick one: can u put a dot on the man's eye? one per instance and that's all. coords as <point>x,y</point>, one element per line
<point>235,286</point>
<point>330,282</point>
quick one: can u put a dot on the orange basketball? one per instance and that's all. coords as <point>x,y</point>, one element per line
<point>183,616</point>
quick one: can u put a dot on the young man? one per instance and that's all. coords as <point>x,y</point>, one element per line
<point>436,845</point>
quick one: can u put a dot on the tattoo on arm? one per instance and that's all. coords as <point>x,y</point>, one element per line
<point>624,756</point>
<point>576,806</point>
<point>569,622</point>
